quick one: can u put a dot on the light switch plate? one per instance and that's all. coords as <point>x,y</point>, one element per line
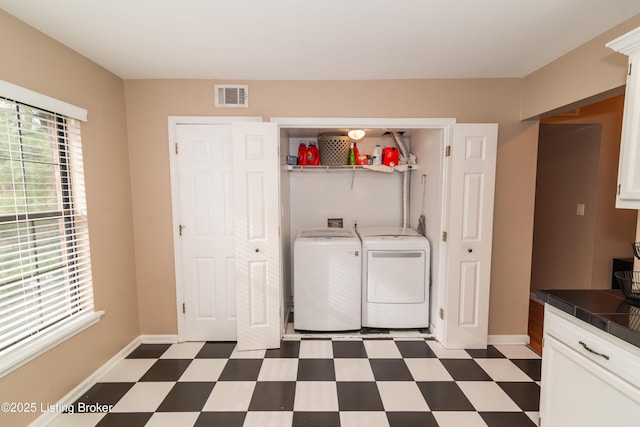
<point>580,209</point>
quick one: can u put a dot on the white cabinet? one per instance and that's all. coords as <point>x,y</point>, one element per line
<point>628,194</point>
<point>589,378</point>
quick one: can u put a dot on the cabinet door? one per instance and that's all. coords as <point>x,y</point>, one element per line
<point>578,392</point>
<point>629,168</point>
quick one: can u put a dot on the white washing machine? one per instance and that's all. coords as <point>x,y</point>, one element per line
<point>395,278</point>
<point>327,272</point>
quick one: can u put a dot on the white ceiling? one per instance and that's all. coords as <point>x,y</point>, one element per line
<point>322,39</point>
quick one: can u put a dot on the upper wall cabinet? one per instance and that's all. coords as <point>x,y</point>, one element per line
<point>628,195</point>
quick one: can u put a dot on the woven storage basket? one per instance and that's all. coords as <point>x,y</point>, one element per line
<point>334,150</point>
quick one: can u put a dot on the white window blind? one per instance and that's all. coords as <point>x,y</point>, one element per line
<point>45,265</point>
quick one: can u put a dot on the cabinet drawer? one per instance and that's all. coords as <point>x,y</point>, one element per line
<point>611,353</point>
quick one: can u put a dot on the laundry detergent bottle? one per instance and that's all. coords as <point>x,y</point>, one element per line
<point>390,156</point>
<point>352,154</point>
<point>313,155</point>
<point>302,154</point>
<point>377,155</point>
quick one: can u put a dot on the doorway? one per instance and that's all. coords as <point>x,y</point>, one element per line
<point>577,229</point>
<point>458,206</point>
<point>565,209</point>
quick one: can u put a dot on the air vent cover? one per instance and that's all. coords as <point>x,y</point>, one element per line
<point>232,95</point>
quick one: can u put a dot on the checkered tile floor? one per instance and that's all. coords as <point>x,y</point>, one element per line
<point>317,382</point>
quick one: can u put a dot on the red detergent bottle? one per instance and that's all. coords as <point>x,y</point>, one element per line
<point>390,156</point>
<point>302,154</point>
<point>313,155</point>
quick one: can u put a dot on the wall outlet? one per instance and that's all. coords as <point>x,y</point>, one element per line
<point>580,209</point>
<point>335,222</point>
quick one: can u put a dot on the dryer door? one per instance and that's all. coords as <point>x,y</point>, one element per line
<point>396,277</point>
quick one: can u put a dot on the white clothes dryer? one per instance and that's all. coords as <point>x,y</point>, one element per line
<point>395,278</point>
<point>327,272</point>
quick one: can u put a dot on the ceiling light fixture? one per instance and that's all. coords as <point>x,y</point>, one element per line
<point>356,134</point>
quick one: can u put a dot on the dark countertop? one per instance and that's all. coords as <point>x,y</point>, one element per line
<point>605,309</point>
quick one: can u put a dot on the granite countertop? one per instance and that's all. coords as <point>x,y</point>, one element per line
<point>605,309</point>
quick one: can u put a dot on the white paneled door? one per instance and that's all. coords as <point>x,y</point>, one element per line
<point>204,159</point>
<point>471,193</point>
<point>257,239</point>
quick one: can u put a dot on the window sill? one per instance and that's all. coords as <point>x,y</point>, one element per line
<point>14,357</point>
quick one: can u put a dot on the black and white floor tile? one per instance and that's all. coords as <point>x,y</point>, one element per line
<point>317,382</point>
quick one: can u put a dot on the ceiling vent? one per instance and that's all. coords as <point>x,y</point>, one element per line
<point>232,96</point>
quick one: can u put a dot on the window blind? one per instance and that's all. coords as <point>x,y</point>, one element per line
<point>45,263</point>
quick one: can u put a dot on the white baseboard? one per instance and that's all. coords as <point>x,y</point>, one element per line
<point>75,394</point>
<point>158,339</point>
<point>509,339</point>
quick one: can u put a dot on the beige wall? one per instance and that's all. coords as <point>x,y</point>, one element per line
<point>578,78</point>
<point>513,232</point>
<point>149,102</point>
<point>34,61</point>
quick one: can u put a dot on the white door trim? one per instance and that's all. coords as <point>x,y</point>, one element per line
<point>439,323</point>
<point>173,122</point>
<point>283,122</point>
<point>342,122</point>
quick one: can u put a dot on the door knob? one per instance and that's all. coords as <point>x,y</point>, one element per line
<point>257,250</point>
<point>469,250</point>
